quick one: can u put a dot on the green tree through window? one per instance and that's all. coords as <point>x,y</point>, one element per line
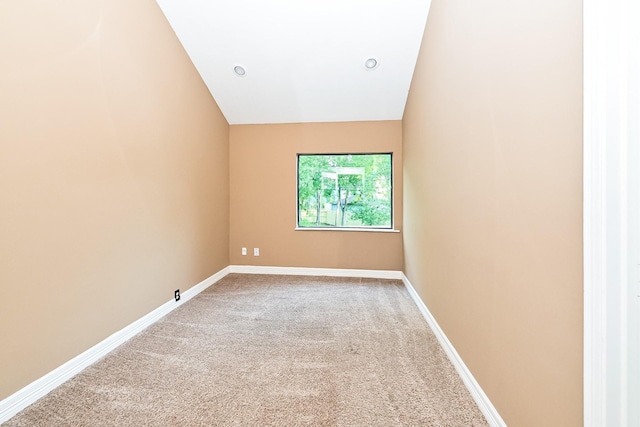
<point>345,190</point>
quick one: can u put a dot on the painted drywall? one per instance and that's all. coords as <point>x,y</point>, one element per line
<point>263,196</point>
<point>493,198</point>
<point>113,177</point>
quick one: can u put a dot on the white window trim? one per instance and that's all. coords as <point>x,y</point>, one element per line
<point>371,229</point>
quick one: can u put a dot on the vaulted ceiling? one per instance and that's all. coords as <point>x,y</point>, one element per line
<point>303,60</point>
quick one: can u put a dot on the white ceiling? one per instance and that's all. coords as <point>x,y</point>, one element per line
<point>304,59</point>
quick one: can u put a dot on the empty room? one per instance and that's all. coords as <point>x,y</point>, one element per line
<point>312,212</point>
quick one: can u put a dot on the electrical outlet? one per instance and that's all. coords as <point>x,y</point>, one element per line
<point>244,251</point>
<point>176,294</point>
<point>256,251</point>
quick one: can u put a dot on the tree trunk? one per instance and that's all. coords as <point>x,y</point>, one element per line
<point>318,208</point>
<point>343,207</point>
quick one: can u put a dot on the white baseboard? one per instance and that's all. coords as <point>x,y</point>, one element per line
<point>488,410</point>
<point>40,387</point>
<point>306,271</point>
<point>37,389</point>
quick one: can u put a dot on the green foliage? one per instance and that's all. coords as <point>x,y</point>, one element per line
<point>357,186</point>
<point>372,212</point>
<point>310,175</point>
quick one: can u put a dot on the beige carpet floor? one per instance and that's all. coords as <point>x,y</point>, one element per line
<point>257,350</point>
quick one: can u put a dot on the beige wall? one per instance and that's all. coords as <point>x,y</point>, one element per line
<point>263,196</point>
<point>492,174</point>
<point>116,168</point>
<point>113,177</point>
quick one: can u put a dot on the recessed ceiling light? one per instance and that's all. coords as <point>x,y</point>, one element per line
<point>239,70</point>
<point>371,63</point>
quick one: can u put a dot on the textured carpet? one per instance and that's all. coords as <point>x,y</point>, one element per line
<point>257,350</point>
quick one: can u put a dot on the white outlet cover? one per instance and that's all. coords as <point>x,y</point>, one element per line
<point>244,251</point>
<point>256,251</point>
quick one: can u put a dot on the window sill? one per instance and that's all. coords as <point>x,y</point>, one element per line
<point>367,230</point>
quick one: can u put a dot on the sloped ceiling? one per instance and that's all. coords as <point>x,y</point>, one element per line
<point>304,59</point>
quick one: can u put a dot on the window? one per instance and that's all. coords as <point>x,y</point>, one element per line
<point>345,191</point>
